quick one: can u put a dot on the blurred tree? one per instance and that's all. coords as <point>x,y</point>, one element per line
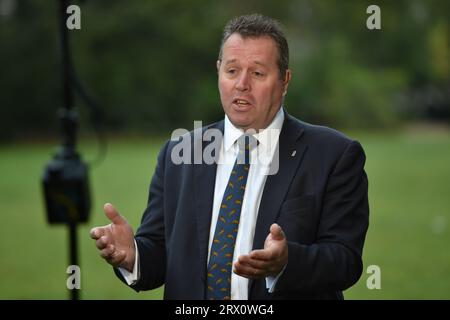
<point>152,63</point>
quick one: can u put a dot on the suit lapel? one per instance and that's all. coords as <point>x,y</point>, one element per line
<point>278,184</point>
<point>275,189</point>
<point>204,176</point>
<point>291,152</point>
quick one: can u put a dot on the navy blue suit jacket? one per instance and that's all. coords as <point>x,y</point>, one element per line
<point>319,198</point>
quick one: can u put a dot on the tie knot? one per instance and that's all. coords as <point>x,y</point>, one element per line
<point>246,143</point>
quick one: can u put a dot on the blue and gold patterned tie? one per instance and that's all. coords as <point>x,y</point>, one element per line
<point>222,248</point>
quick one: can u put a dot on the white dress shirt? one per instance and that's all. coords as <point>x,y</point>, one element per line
<point>260,160</point>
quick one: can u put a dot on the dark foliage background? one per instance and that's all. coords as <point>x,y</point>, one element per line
<point>151,64</point>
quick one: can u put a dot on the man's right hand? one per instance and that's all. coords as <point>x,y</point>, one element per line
<point>115,240</point>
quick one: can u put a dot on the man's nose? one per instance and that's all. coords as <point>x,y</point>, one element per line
<point>242,82</point>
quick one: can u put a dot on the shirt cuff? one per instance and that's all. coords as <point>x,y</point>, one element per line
<point>271,282</point>
<point>132,277</point>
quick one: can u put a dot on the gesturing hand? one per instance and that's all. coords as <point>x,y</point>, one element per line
<point>115,240</point>
<point>265,262</point>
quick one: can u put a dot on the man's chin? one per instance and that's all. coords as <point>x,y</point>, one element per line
<point>240,123</point>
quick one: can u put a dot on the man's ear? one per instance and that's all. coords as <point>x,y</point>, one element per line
<point>218,65</point>
<point>287,78</point>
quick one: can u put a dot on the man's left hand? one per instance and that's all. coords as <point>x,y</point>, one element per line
<point>265,262</point>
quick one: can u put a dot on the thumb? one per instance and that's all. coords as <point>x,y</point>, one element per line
<point>113,215</point>
<point>276,232</point>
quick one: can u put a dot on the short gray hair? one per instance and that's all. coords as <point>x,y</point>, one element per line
<point>257,25</point>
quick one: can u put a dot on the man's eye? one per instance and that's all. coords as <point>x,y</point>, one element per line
<point>258,74</point>
<point>231,71</point>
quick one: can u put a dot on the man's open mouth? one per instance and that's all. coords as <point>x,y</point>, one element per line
<point>241,102</point>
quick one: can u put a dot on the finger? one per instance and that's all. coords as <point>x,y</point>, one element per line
<point>247,271</point>
<point>102,242</point>
<point>262,254</point>
<point>107,252</point>
<point>96,233</point>
<point>277,232</point>
<point>116,258</point>
<point>113,215</point>
<point>257,264</point>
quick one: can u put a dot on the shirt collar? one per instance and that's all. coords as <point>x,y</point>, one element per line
<point>267,138</point>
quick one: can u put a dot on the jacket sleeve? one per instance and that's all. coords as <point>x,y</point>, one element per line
<point>334,261</point>
<point>150,236</point>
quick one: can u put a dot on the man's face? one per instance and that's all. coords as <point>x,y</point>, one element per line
<point>250,86</point>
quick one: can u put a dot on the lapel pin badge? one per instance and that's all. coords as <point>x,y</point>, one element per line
<point>293,153</point>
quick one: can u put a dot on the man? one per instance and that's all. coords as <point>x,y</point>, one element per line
<point>232,229</point>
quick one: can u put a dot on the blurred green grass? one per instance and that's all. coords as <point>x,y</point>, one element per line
<point>408,237</point>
